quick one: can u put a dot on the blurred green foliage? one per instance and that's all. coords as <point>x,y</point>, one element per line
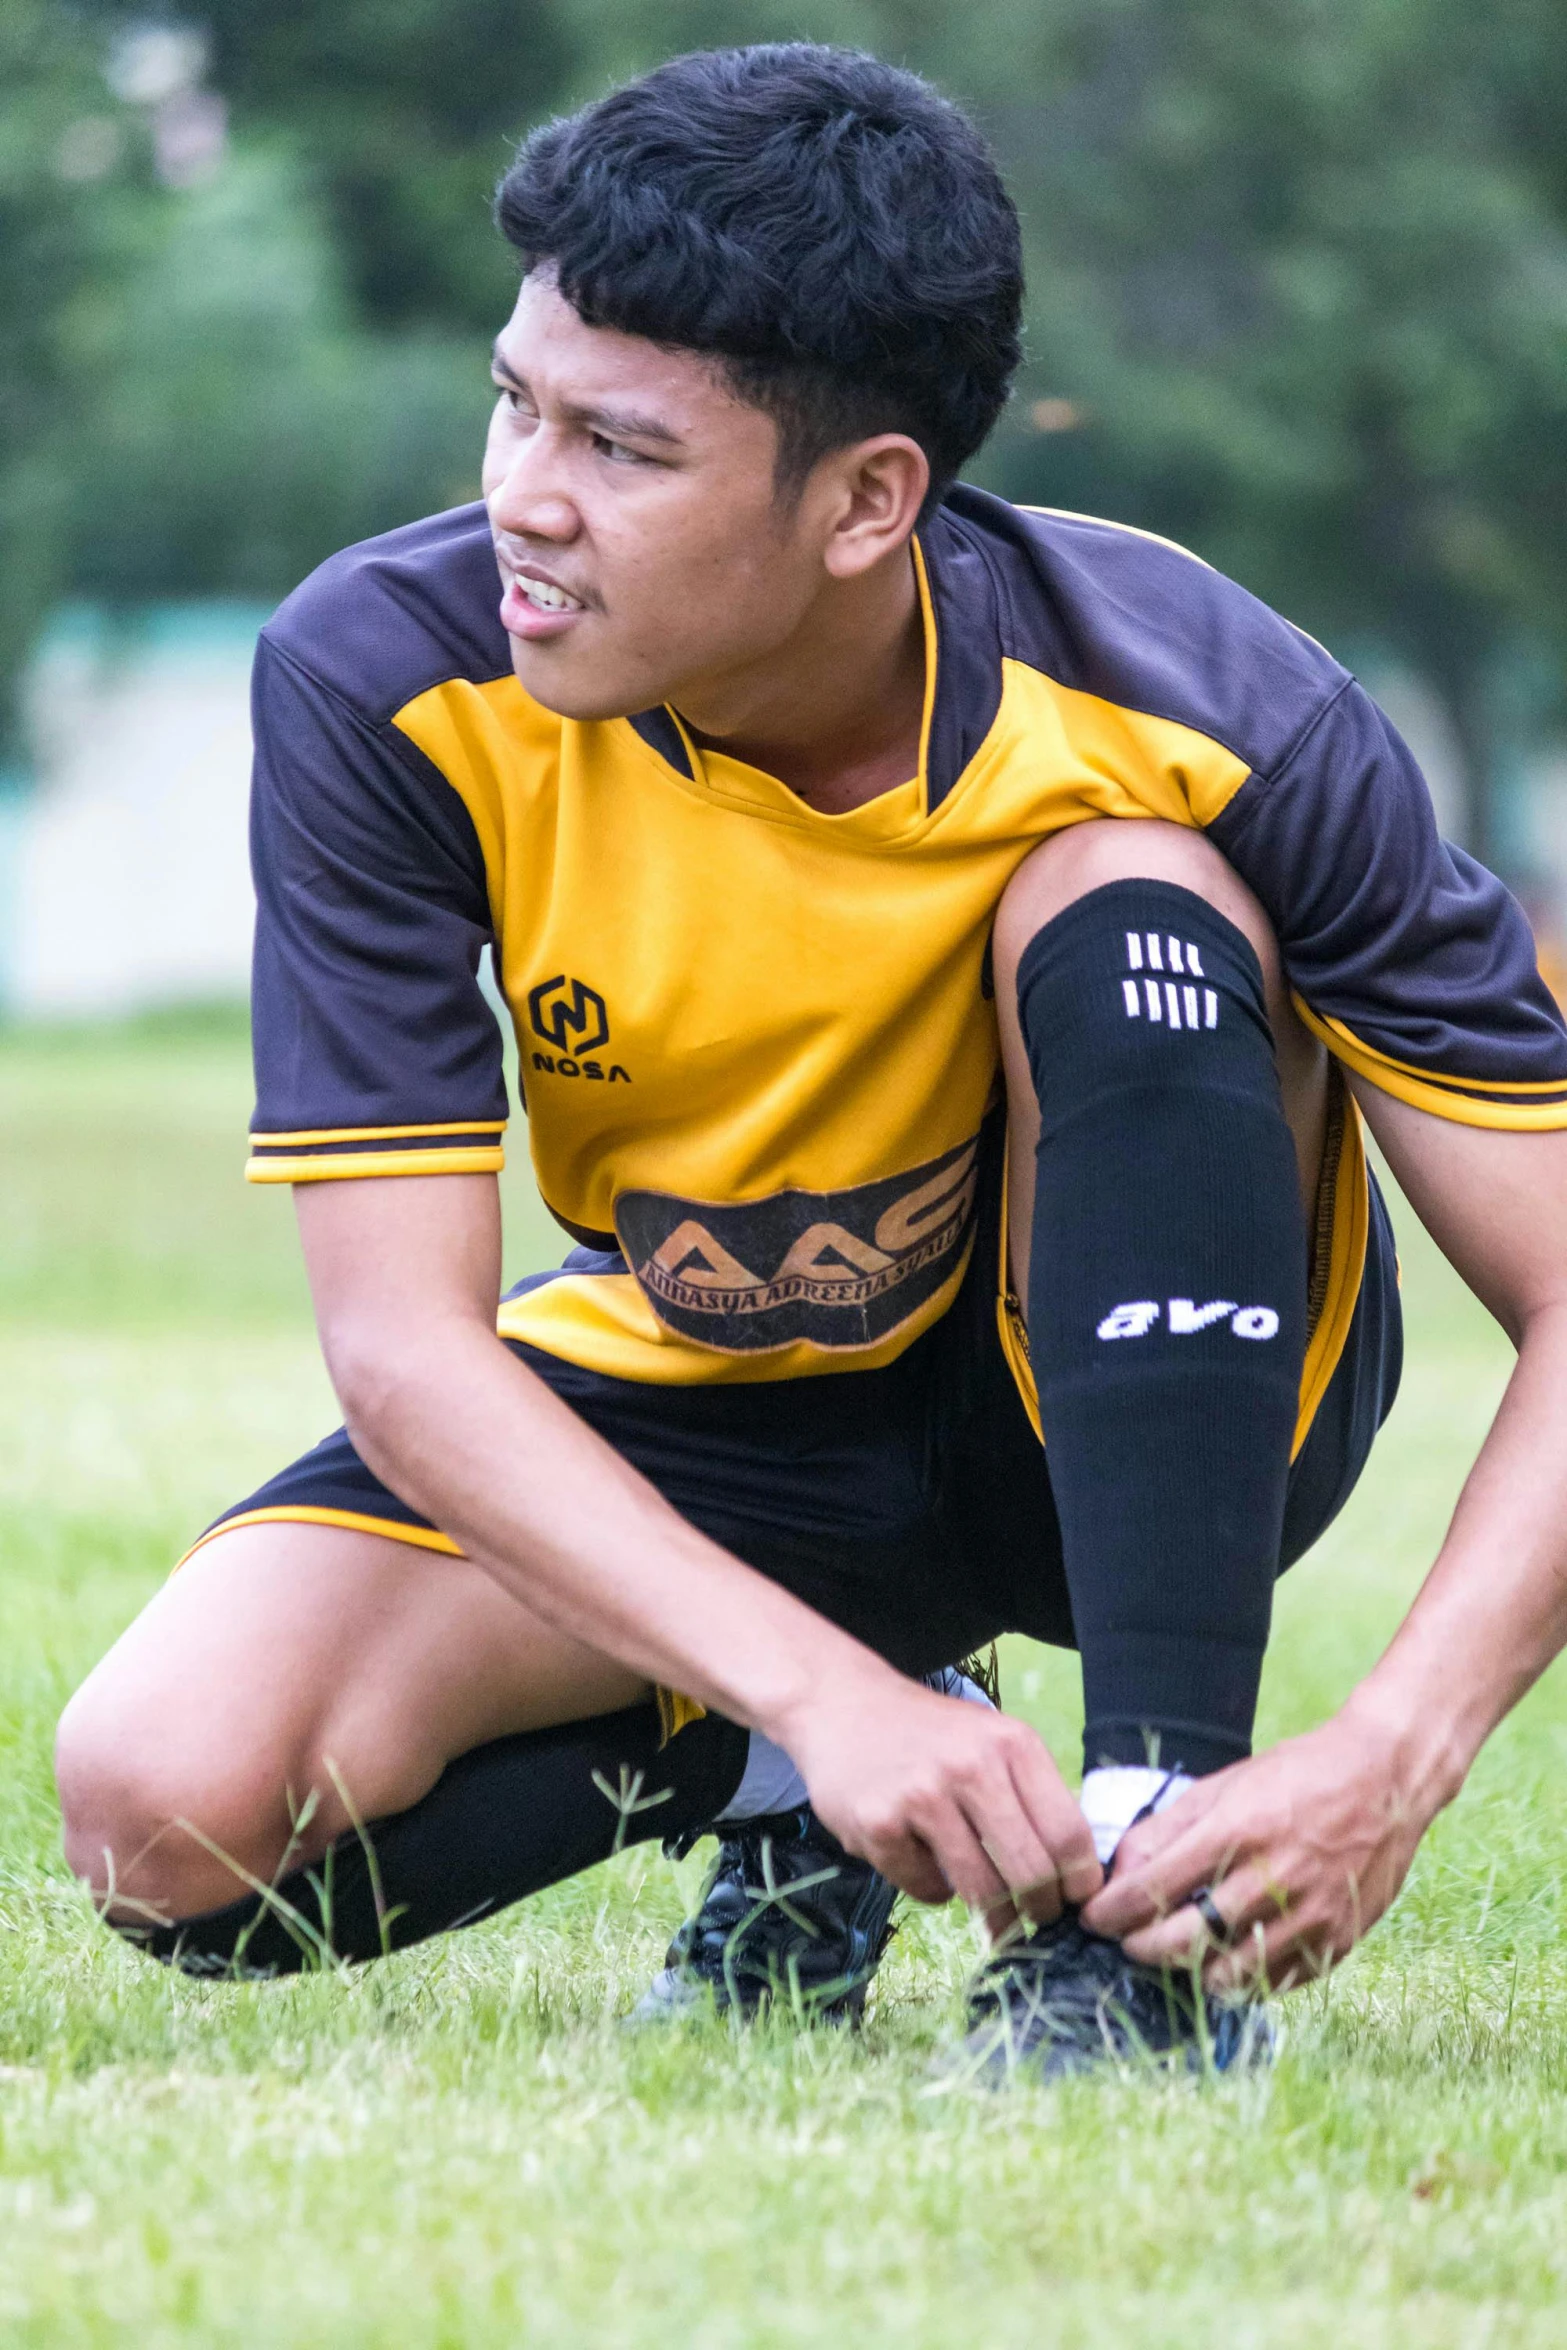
<point>52,228</point>
<point>401,114</point>
<point>247,423</point>
<point>1304,269</point>
<point>1298,270</point>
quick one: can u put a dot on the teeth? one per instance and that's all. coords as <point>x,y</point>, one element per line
<point>547,598</point>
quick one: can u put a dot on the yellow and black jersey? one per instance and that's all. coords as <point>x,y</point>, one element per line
<point>757,1043</point>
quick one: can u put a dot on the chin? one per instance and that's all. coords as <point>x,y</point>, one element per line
<point>558,686</point>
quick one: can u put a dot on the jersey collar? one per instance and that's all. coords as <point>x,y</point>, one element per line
<point>960,608</point>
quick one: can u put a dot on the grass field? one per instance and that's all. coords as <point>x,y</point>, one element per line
<point>460,2147</point>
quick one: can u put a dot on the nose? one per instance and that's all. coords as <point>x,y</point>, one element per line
<point>529,500</point>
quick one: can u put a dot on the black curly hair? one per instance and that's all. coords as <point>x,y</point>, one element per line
<point>830,228</point>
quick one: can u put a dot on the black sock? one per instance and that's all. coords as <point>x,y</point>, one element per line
<point>1166,1311</point>
<point>499,1823</point>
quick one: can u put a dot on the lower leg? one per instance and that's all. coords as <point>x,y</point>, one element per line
<point>1163,1249</point>
<point>291,1680</point>
<point>501,1822</point>
<point>319,1740</point>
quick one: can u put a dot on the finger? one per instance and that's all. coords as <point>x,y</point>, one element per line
<point>1036,1904</point>
<point>1201,1826</point>
<point>1151,1832</point>
<point>1057,1822</point>
<point>1003,1922</point>
<point>1025,1905</point>
<point>962,1858</point>
<point>1148,1885</point>
<point>1247,1897</point>
<point>1292,1951</point>
<point>1021,1857</point>
<point>908,1863</point>
<point>1040,1904</point>
<point>1300,1947</point>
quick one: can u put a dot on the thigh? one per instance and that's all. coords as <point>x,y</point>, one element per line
<point>331,1642</point>
<point>826,1485</point>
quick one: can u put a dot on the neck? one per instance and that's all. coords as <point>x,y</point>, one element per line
<point>835,712</point>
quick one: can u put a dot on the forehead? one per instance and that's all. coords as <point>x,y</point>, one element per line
<point>562,359</point>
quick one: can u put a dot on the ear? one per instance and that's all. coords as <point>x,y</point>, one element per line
<point>877,488</point>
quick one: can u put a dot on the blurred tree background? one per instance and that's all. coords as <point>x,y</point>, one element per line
<point>1298,291</point>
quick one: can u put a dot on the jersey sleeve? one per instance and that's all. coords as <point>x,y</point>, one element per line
<point>376,1052</point>
<point>1411,961</point>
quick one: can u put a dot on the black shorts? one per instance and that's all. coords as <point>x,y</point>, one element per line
<point>912,1504</point>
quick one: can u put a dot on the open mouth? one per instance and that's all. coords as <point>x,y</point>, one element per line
<point>536,608</point>
<point>543,595</point>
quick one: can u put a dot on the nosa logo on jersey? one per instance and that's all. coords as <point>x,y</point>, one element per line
<point>1185,1318</point>
<point>835,1268</point>
<point>574,1020</point>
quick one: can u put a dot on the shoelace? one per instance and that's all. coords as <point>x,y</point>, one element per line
<point>1067,1981</point>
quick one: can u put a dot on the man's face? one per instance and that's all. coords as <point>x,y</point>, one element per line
<point>643,553</point>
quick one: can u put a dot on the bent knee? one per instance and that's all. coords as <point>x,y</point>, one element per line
<point>1107,849</point>
<point>148,1820</point>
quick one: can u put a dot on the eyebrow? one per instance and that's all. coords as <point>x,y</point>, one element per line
<point>619,424</point>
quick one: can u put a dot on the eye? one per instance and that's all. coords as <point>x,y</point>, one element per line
<point>615,451</point>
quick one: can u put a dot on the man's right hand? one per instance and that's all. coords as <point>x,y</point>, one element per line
<point>945,1797</point>
<point>942,1796</point>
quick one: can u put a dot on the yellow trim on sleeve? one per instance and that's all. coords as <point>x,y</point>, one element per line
<point>1442,1096</point>
<point>301,1513</point>
<point>329,1170</point>
<point>382,1133</point>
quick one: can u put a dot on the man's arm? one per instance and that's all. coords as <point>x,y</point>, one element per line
<point>1309,1843</point>
<point>942,1797</point>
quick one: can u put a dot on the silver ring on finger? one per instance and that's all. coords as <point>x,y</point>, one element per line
<point>1212,1915</point>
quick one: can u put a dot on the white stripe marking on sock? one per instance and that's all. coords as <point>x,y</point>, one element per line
<point>1187,1316</point>
<point>1173,996</point>
<point>1155,1006</point>
<point>1174,946</point>
<point>1134,1010</point>
<point>1155,959</point>
<point>1210,1008</point>
<point>1194,963</point>
<point>1189,999</point>
<point>1134,951</point>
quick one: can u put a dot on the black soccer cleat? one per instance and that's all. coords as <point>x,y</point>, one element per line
<point>1058,2000</point>
<point>786,1916</point>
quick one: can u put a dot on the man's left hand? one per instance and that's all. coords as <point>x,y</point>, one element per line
<point>1301,1849</point>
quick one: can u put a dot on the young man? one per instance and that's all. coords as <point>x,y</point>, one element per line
<point>947,946</point>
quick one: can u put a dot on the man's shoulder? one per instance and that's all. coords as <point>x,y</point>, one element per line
<point>382,622</point>
<point>1145,625</point>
